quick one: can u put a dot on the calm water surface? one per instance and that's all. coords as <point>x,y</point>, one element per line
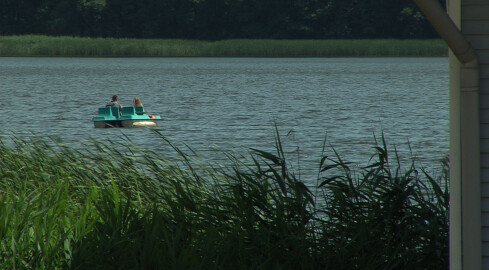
<point>232,103</point>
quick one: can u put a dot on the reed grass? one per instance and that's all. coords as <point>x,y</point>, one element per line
<point>34,45</point>
<point>117,206</point>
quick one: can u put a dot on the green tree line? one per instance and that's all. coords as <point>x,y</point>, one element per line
<point>215,19</point>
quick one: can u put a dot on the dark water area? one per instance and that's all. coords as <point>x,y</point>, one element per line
<point>232,104</point>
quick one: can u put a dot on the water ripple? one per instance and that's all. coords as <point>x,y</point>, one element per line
<point>233,103</point>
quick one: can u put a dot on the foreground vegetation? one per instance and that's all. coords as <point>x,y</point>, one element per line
<point>32,45</point>
<point>130,208</point>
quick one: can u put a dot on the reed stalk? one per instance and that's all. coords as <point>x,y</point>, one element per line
<point>124,207</point>
<point>34,45</point>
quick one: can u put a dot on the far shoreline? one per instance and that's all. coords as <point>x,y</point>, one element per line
<point>64,46</point>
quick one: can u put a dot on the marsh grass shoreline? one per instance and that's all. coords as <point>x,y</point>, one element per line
<point>36,45</point>
<point>124,207</point>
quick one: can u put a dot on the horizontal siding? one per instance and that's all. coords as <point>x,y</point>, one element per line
<point>485,235</point>
<point>483,102</point>
<point>484,129</point>
<point>484,145</point>
<point>478,42</point>
<point>485,160</point>
<point>483,55</point>
<point>485,251</point>
<point>485,225</point>
<point>484,119</point>
<point>485,262</point>
<point>485,175</point>
<point>466,3</point>
<point>475,26</point>
<point>485,192</point>
<point>485,209</point>
<point>476,12</point>
<point>484,87</point>
<point>484,72</point>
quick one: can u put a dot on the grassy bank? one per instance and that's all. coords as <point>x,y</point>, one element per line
<point>131,208</point>
<point>107,47</point>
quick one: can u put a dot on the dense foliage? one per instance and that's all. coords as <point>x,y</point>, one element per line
<point>118,207</point>
<point>215,19</point>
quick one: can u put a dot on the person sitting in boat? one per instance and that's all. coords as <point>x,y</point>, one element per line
<point>137,102</point>
<point>114,103</point>
<point>138,105</point>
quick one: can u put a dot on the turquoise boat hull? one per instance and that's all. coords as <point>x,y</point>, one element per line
<point>130,117</point>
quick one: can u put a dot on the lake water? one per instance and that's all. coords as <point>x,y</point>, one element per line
<point>233,104</point>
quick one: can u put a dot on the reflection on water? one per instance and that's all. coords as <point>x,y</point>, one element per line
<point>233,103</point>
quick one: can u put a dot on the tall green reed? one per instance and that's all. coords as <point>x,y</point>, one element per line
<point>125,207</point>
<point>34,45</point>
<point>386,217</point>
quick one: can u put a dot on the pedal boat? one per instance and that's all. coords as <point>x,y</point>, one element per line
<point>129,118</point>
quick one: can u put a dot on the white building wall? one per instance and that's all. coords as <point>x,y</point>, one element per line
<point>475,27</point>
